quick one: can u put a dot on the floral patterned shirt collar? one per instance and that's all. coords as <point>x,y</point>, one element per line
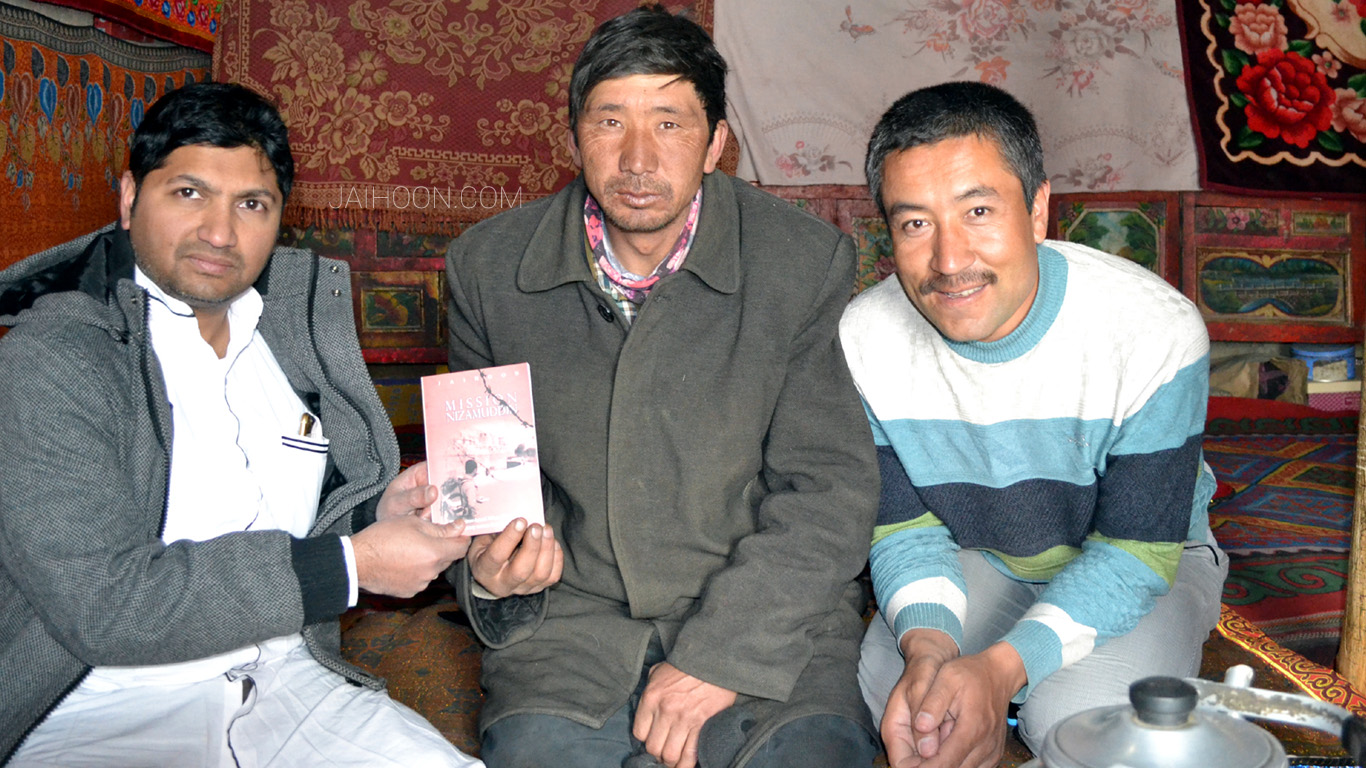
<point>635,287</point>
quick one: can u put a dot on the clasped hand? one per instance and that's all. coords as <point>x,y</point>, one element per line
<point>947,710</point>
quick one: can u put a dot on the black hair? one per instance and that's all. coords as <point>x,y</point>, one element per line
<point>223,115</point>
<point>651,41</point>
<point>952,110</point>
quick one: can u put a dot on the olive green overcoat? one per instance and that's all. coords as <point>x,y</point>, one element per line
<point>708,468</point>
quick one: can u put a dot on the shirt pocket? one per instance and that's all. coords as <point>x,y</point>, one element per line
<point>298,482</point>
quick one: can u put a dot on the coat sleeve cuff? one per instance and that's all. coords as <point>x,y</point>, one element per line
<point>320,566</point>
<point>501,622</point>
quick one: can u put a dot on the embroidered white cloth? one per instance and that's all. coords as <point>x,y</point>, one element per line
<point>808,81</point>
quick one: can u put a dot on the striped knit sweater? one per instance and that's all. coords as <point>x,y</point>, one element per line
<point>1068,451</point>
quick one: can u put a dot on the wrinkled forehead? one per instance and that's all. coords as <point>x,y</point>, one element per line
<point>647,90</point>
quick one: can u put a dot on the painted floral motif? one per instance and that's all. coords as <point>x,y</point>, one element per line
<point>1095,174</point>
<point>1325,63</point>
<point>1086,38</point>
<point>1215,219</point>
<point>986,26</point>
<point>1085,41</point>
<point>806,159</point>
<point>1286,87</point>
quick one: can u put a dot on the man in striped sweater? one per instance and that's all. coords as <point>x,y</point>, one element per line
<point>1038,409</point>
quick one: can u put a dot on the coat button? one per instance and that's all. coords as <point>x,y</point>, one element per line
<point>336,292</point>
<point>335,268</point>
<point>606,314</point>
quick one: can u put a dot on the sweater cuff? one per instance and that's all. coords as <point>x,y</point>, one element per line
<point>927,616</point>
<point>1039,649</point>
<point>320,566</point>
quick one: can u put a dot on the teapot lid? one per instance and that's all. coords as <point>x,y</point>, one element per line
<point>1160,728</point>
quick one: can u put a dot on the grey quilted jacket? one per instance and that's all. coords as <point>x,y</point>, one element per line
<point>85,578</point>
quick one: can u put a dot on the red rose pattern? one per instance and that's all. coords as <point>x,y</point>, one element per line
<point>1288,97</point>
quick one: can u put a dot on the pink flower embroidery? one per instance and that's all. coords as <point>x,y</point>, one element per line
<point>1326,64</point>
<point>1238,219</point>
<point>987,18</point>
<point>1257,28</point>
<point>1349,113</point>
<point>1082,78</point>
<point>994,71</point>
<point>790,166</point>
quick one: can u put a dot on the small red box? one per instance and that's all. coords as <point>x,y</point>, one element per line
<point>1335,401</point>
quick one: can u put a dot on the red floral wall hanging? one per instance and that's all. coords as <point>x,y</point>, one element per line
<point>1278,94</point>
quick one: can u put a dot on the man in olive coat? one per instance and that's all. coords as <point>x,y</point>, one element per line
<point>707,467</point>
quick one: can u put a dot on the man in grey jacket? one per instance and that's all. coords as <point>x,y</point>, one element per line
<point>707,466</point>
<point>199,477</point>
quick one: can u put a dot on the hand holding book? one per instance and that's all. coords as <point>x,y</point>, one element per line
<point>401,555</point>
<point>521,560</point>
<point>408,494</point>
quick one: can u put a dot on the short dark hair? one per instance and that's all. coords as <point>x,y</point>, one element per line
<point>651,41</point>
<point>223,115</point>
<point>952,110</point>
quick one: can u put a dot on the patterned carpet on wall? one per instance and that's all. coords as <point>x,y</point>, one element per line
<point>1284,516</point>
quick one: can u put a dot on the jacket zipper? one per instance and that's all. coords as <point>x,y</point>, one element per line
<point>342,668</point>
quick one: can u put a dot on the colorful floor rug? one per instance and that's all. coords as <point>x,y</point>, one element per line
<point>1285,524</point>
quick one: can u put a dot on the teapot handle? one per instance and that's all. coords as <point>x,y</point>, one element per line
<point>1354,738</point>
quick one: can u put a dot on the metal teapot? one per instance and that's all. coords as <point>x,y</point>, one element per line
<point>1192,723</point>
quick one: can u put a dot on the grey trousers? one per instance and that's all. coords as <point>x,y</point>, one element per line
<point>1168,641</point>
<point>537,741</point>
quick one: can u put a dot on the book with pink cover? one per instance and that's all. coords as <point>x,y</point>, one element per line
<point>481,447</point>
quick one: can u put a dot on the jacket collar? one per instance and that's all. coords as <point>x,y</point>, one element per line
<point>95,269</point>
<point>555,254</point>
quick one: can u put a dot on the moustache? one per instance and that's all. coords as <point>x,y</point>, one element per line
<point>640,185</point>
<point>960,281</point>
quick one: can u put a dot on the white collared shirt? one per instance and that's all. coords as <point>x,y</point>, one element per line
<point>238,459</point>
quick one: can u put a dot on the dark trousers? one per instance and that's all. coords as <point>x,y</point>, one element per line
<point>536,741</point>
